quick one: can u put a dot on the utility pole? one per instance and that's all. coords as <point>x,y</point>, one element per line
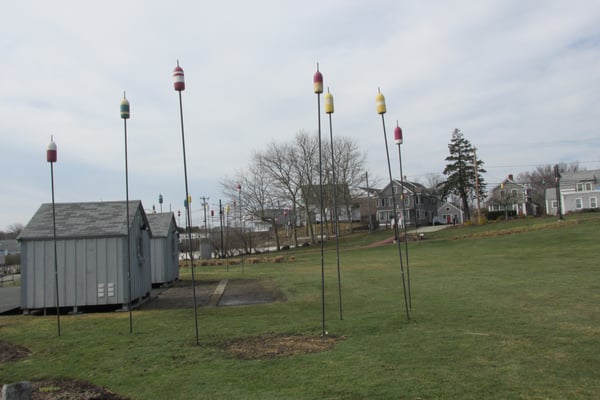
<point>204,208</point>
<point>369,203</point>
<point>476,185</point>
<point>558,202</point>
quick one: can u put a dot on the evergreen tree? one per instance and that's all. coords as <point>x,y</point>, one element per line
<point>463,172</point>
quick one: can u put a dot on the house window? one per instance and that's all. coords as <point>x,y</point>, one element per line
<point>579,187</point>
<point>382,202</point>
<point>513,192</point>
<point>593,202</point>
<point>554,204</point>
<point>588,186</point>
<point>578,203</point>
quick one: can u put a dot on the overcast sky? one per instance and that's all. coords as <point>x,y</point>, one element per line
<point>520,79</point>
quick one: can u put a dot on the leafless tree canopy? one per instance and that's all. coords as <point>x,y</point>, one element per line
<point>285,175</point>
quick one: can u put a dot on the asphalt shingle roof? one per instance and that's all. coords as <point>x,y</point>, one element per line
<point>160,223</point>
<point>77,220</point>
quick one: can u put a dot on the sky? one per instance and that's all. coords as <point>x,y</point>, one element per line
<point>520,79</point>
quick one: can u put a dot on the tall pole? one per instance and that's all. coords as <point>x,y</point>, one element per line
<point>398,140</point>
<point>51,156</point>
<point>381,109</point>
<point>221,226</point>
<point>124,109</point>
<point>204,209</point>
<point>179,85</point>
<point>328,100</point>
<point>476,185</point>
<point>160,201</point>
<point>369,203</point>
<point>558,200</point>
<point>239,189</point>
<point>318,89</point>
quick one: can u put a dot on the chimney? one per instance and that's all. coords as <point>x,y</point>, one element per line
<point>510,177</point>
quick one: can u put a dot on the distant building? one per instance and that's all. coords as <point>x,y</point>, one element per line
<point>8,247</point>
<point>578,191</point>
<point>164,248</point>
<point>510,195</point>
<point>449,214</point>
<point>420,206</point>
<point>92,260</point>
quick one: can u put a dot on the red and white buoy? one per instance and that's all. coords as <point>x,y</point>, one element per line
<point>51,151</point>
<point>318,81</point>
<point>398,135</point>
<point>178,78</point>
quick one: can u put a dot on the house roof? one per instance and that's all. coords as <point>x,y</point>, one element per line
<point>78,220</point>
<point>447,204</point>
<point>409,186</point>
<point>161,223</point>
<point>570,178</point>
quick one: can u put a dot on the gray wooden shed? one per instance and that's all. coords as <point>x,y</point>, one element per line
<point>92,257</point>
<point>164,248</point>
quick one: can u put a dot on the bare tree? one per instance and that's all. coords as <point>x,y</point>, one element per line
<point>259,193</point>
<point>15,229</point>
<point>349,169</point>
<point>305,164</point>
<point>542,177</point>
<point>278,161</point>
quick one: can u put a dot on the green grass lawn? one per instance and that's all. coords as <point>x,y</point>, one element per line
<point>502,311</point>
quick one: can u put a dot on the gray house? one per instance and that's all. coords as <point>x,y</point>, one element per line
<point>164,248</point>
<point>578,191</point>
<point>448,213</point>
<point>93,266</point>
<point>420,205</point>
<point>510,195</point>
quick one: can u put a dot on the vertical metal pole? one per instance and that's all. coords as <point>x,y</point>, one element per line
<point>369,203</point>
<point>405,227</point>
<point>396,235</point>
<point>221,226</point>
<point>321,211</point>
<point>188,219</point>
<point>558,199</point>
<point>477,185</point>
<point>242,249</point>
<point>55,251</point>
<point>127,224</point>
<point>336,218</point>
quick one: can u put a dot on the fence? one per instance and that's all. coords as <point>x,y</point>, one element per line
<point>9,274</point>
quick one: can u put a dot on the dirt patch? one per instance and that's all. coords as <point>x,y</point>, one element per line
<point>12,352</point>
<point>237,292</point>
<point>272,346</point>
<point>56,388</point>
<point>70,389</point>
<point>244,291</point>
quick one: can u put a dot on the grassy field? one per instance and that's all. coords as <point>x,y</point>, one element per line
<point>502,311</point>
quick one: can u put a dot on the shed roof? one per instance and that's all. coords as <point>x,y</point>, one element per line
<point>161,223</point>
<point>78,220</point>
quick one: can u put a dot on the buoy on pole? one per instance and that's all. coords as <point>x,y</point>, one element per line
<point>124,110</point>
<point>328,100</point>
<point>179,86</point>
<point>318,89</point>
<point>381,110</point>
<point>51,157</point>
<point>399,141</point>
